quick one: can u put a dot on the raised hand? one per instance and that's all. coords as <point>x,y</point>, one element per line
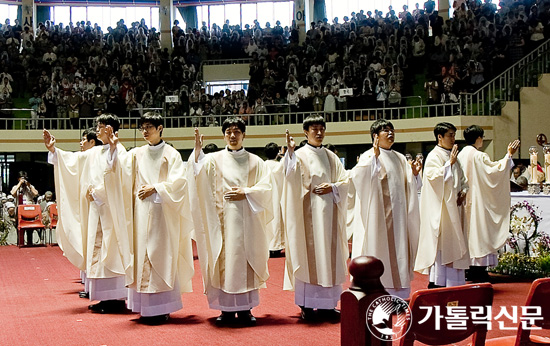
<point>112,137</point>
<point>376,145</point>
<point>454,154</point>
<point>416,166</point>
<point>513,147</point>
<point>290,143</point>
<point>49,140</point>
<point>198,144</point>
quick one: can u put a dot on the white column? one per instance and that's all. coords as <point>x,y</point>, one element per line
<point>166,16</point>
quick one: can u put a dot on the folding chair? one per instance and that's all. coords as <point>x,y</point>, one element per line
<point>435,328</point>
<point>53,220</point>
<point>539,296</point>
<point>29,217</point>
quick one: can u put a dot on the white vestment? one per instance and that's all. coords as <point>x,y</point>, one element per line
<point>315,226</point>
<point>94,236</point>
<point>442,235</point>
<point>275,226</point>
<point>386,190</point>
<point>487,210</point>
<point>232,240</point>
<point>163,254</point>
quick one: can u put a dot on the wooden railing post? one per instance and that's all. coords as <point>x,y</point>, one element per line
<point>365,287</point>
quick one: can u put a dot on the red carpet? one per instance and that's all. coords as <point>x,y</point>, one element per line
<point>40,306</point>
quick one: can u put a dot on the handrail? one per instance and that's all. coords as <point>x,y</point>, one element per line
<point>506,86</point>
<point>348,115</point>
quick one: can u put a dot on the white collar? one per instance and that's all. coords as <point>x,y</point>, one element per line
<point>157,147</point>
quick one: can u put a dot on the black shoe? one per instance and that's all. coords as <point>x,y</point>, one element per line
<point>108,306</point>
<point>83,294</point>
<point>245,317</point>
<point>154,320</point>
<point>433,285</point>
<point>225,318</point>
<point>331,315</point>
<point>307,314</point>
<point>276,253</point>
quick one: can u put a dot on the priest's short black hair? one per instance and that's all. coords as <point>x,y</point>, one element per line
<point>472,133</point>
<point>314,120</point>
<point>152,118</point>
<point>378,126</point>
<point>91,135</point>
<point>271,150</point>
<point>234,121</point>
<point>109,119</point>
<point>442,129</point>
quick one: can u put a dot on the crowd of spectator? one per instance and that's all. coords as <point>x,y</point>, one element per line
<point>75,71</point>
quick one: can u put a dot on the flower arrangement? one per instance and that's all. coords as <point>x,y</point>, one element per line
<point>534,260</point>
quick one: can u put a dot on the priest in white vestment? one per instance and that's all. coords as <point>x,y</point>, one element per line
<point>230,194</point>
<point>314,201</point>
<point>443,243</point>
<point>387,193</point>
<point>487,209</point>
<point>154,174</point>
<point>88,141</point>
<point>275,226</point>
<point>92,229</point>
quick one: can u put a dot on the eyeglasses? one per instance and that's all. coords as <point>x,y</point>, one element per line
<point>146,128</point>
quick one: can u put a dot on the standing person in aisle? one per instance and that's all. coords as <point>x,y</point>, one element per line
<point>92,228</point>
<point>154,174</point>
<point>88,141</point>
<point>443,244</point>
<point>230,195</point>
<point>314,214</point>
<point>487,209</point>
<point>387,193</point>
<point>275,227</point>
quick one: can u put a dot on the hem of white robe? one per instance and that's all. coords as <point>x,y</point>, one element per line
<point>85,281</point>
<point>444,275</point>
<point>154,304</point>
<point>490,260</point>
<point>108,288</point>
<point>315,296</point>
<point>223,301</point>
<point>402,293</point>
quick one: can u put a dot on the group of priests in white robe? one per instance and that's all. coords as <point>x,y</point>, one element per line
<point>127,217</point>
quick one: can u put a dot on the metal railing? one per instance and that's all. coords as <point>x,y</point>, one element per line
<point>348,115</point>
<point>506,86</point>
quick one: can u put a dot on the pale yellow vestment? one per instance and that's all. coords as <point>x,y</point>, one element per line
<point>315,226</point>
<point>275,226</point>
<point>94,236</point>
<point>231,236</point>
<point>389,214</point>
<point>487,209</point>
<point>162,223</point>
<point>441,227</point>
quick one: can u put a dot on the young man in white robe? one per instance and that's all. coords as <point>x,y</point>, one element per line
<point>387,195</point>
<point>314,206</point>
<point>443,243</point>
<point>88,141</point>
<point>230,195</point>
<point>275,226</point>
<point>92,229</point>
<point>487,209</point>
<point>154,174</point>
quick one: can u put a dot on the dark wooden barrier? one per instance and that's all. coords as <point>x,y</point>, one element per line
<point>365,287</point>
